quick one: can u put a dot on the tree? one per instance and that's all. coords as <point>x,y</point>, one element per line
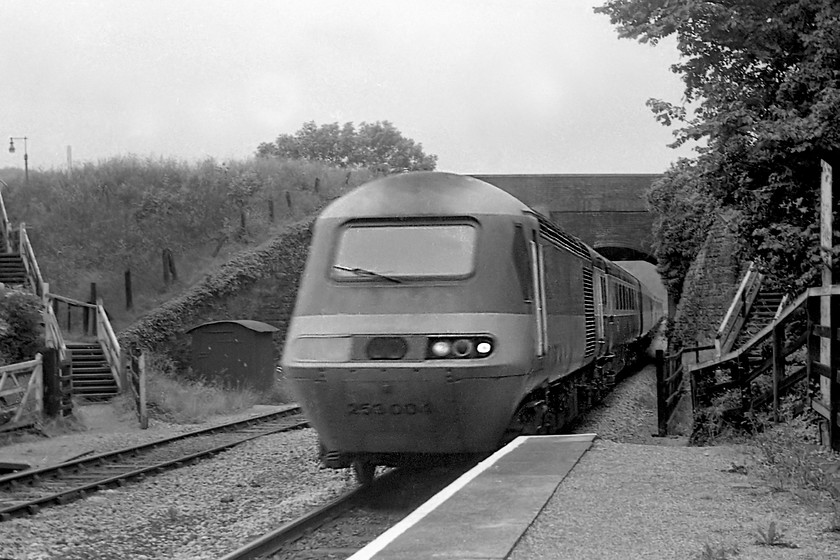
<point>763,75</point>
<point>684,215</point>
<point>376,145</point>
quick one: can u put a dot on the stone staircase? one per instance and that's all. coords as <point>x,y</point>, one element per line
<point>92,377</point>
<point>761,314</point>
<point>12,271</point>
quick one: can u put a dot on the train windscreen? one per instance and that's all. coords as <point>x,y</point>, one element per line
<point>405,251</point>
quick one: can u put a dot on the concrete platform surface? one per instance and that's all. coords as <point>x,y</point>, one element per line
<point>483,514</point>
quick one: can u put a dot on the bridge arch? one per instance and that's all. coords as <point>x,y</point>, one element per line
<point>606,211</point>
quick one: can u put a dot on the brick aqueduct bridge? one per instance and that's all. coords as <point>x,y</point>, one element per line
<point>607,212</point>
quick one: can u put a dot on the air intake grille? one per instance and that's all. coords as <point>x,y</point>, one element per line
<point>561,238</point>
<point>589,310</point>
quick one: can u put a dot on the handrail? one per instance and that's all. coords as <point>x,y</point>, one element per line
<point>6,224</point>
<point>69,300</point>
<point>782,305</point>
<point>27,255</point>
<point>833,290</point>
<point>108,341</point>
<point>741,301</point>
<point>52,335</point>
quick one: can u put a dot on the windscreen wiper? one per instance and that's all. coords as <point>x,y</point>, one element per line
<point>366,272</point>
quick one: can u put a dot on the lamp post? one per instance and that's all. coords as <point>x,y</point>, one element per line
<point>25,153</point>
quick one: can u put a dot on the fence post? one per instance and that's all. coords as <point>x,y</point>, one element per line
<point>833,397</point>
<point>129,299</point>
<point>143,412</point>
<point>165,265</point>
<point>52,382</point>
<point>661,402</point>
<point>91,310</point>
<point>829,310</point>
<point>65,380</point>
<point>778,367</point>
<point>742,369</point>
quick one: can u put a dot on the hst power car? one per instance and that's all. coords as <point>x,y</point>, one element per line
<point>439,315</point>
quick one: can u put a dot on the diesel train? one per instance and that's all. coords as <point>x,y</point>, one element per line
<point>438,314</point>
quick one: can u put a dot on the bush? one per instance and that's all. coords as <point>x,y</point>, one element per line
<point>184,399</point>
<point>21,330</point>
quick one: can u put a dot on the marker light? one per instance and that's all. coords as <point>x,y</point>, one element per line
<point>483,348</point>
<point>463,347</point>
<point>441,348</point>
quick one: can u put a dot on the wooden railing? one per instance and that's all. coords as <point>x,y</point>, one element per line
<point>52,332</point>
<point>4,222</point>
<point>21,393</point>
<point>94,322</point>
<point>27,254</point>
<point>110,345</point>
<point>761,370</point>
<point>76,317</point>
<point>734,319</point>
<point>670,384</point>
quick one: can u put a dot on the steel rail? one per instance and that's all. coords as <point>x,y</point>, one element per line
<point>270,542</point>
<point>83,476</point>
<point>377,506</point>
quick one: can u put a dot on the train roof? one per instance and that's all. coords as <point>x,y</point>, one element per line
<point>424,193</point>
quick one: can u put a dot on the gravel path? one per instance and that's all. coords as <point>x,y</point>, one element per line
<point>637,496</point>
<point>197,512</point>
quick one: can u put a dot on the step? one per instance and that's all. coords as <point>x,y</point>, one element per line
<point>92,371</point>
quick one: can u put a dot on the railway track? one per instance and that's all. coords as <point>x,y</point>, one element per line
<point>348,523</point>
<point>28,491</point>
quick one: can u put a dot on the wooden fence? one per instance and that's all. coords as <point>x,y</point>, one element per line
<point>21,394</point>
<point>134,373</point>
<point>670,384</point>
<point>58,384</point>
<point>779,358</point>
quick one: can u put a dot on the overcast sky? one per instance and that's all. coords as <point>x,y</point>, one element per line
<point>489,86</point>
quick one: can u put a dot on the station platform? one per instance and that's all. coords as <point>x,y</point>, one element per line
<point>498,500</point>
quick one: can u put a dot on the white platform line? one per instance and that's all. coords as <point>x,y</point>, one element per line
<point>432,503</point>
<point>391,534</point>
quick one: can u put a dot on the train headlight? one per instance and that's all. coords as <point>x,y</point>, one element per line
<point>441,348</point>
<point>459,347</point>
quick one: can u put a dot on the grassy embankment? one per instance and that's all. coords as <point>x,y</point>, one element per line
<point>119,217</point>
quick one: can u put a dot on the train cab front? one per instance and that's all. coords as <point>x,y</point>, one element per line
<point>388,398</point>
<point>413,326</point>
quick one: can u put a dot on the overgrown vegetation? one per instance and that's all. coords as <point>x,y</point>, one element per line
<point>181,399</point>
<point>234,231</point>
<point>789,456</point>
<point>21,332</point>
<point>120,215</point>
<point>717,552</point>
<point>762,94</point>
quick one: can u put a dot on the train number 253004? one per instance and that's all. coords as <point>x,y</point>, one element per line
<point>407,409</point>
